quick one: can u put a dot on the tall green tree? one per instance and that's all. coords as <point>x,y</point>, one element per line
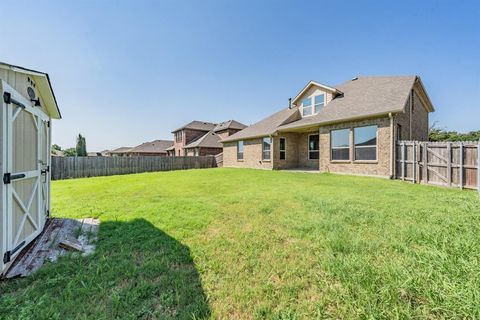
<point>81,147</point>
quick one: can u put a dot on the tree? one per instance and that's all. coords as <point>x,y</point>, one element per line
<point>439,134</point>
<point>81,148</point>
<point>70,152</point>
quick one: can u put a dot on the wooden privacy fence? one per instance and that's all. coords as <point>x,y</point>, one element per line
<point>80,167</point>
<point>452,164</point>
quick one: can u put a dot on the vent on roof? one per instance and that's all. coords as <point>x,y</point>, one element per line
<point>356,78</point>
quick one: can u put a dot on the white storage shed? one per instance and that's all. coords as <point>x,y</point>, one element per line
<point>27,106</point>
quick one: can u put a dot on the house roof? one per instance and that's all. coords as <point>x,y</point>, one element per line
<point>230,124</point>
<point>266,126</point>
<point>362,97</point>
<point>42,80</point>
<point>208,140</point>
<point>197,125</point>
<point>156,146</point>
<point>120,150</point>
<point>170,148</point>
<point>312,83</point>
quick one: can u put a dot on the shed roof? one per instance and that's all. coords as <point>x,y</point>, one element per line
<point>156,146</point>
<point>44,85</point>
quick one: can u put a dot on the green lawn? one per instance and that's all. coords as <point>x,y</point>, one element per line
<point>243,244</point>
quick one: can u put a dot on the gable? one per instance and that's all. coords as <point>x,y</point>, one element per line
<point>22,79</point>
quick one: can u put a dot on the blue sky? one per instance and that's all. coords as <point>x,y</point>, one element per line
<point>126,72</point>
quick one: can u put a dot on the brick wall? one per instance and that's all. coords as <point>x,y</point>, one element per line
<point>252,155</point>
<point>419,121</point>
<point>380,167</point>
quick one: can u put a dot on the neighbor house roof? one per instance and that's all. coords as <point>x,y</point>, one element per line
<point>230,124</point>
<point>197,125</point>
<point>209,140</point>
<point>170,148</point>
<point>266,126</point>
<point>42,81</point>
<point>120,150</point>
<point>361,97</point>
<point>156,146</point>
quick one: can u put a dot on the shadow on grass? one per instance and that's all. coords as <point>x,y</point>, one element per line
<point>137,271</point>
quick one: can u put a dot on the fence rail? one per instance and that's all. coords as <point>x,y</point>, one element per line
<point>452,164</point>
<point>80,167</point>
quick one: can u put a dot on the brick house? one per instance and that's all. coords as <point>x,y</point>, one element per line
<point>350,128</point>
<point>199,138</point>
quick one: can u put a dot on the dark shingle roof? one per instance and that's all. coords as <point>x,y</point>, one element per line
<point>266,126</point>
<point>361,97</point>
<point>209,140</point>
<point>120,150</point>
<point>230,124</point>
<point>156,146</point>
<point>197,125</point>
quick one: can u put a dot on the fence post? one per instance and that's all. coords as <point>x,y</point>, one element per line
<point>425,162</point>
<point>403,160</point>
<point>460,173</point>
<point>449,164</point>
<point>478,167</point>
<point>414,167</point>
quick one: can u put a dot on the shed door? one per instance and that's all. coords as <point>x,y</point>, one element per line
<point>26,172</point>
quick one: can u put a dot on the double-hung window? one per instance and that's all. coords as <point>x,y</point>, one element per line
<point>365,143</point>
<point>340,144</point>
<point>319,102</point>
<point>283,145</point>
<point>307,107</point>
<point>313,147</point>
<point>239,150</point>
<point>266,147</point>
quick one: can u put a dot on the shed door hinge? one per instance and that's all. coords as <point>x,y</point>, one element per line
<point>8,255</point>
<point>48,123</point>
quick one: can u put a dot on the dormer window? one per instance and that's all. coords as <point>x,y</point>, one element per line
<point>307,107</point>
<point>319,102</point>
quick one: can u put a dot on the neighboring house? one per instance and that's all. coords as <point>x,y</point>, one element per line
<point>152,148</point>
<point>350,128</point>
<point>199,138</point>
<point>119,152</point>
<point>27,108</point>
<point>103,153</point>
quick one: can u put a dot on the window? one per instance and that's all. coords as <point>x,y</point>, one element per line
<point>239,150</point>
<point>178,136</point>
<point>365,143</point>
<point>195,152</point>
<point>283,144</point>
<point>313,147</point>
<point>266,146</point>
<point>340,144</point>
<point>307,107</point>
<point>399,132</point>
<point>319,102</point>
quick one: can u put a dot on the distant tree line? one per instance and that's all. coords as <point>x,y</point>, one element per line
<point>80,149</point>
<point>438,134</point>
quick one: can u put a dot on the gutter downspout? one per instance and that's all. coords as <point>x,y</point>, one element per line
<point>411,113</point>
<point>392,147</point>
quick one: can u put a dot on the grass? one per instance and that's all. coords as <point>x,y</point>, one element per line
<point>243,244</point>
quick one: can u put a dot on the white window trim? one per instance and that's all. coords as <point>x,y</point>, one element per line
<point>308,146</point>
<point>243,151</point>
<point>376,144</point>
<point>284,150</point>
<point>270,151</point>
<point>323,103</point>
<point>312,98</point>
